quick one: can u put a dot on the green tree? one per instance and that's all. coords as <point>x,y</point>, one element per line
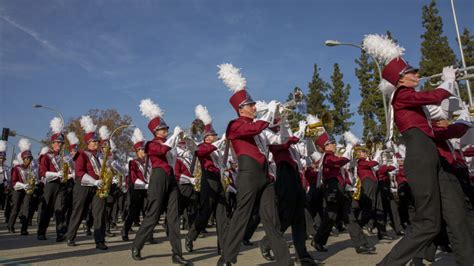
<point>467,42</point>
<point>112,119</point>
<point>318,89</point>
<point>371,106</point>
<point>339,98</point>
<point>435,50</point>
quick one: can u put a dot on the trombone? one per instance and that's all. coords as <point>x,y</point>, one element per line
<point>461,75</point>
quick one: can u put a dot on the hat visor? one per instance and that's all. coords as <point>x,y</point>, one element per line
<point>247,102</point>
<point>409,69</point>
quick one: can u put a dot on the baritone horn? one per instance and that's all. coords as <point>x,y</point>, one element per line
<point>325,123</point>
<point>461,75</point>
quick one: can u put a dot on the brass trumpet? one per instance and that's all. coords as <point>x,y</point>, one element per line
<point>313,130</point>
<point>462,75</point>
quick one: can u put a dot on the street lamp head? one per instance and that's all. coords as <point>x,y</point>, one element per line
<point>331,43</point>
<point>37,106</point>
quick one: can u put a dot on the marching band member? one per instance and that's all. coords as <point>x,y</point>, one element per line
<point>252,182</point>
<point>51,172</point>
<point>422,160</point>
<point>290,192</point>
<point>23,182</point>
<point>334,187</point>
<point>212,194</point>
<point>85,191</point>
<point>162,186</point>
<point>139,185</point>
<point>73,148</point>
<point>4,175</point>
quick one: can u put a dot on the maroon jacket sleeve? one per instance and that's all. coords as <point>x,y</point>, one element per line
<point>45,165</point>
<point>452,131</point>
<point>153,148</point>
<point>411,98</point>
<point>205,149</point>
<point>239,129</point>
<point>469,152</point>
<point>367,163</point>
<point>336,161</point>
<point>81,165</point>
<point>15,176</point>
<point>286,146</point>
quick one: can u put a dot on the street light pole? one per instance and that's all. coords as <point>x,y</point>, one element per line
<point>468,86</point>
<point>332,43</point>
<point>52,109</point>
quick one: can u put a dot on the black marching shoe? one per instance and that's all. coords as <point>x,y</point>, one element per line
<point>307,261</point>
<point>24,233</point>
<point>177,259</point>
<point>60,238</point>
<point>221,262</point>
<point>417,262</point>
<point>41,237</point>
<point>401,233</point>
<point>188,244</point>
<point>365,249</point>
<point>152,240</point>
<point>71,243</point>
<point>136,254</point>
<point>109,234</point>
<point>246,242</point>
<point>88,232</point>
<point>124,235</point>
<point>101,246</point>
<point>11,230</point>
<point>266,254</point>
<point>385,237</point>
<point>318,247</point>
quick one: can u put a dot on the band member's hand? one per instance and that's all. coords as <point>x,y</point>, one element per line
<point>26,187</point>
<point>146,186</point>
<point>442,123</point>
<point>98,183</point>
<point>449,73</point>
<point>177,131</point>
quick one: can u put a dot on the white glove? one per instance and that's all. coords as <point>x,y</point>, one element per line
<point>302,127</point>
<point>449,73</point>
<point>270,114</point>
<point>464,117</point>
<point>88,180</point>
<point>348,187</point>
<point>231,189</point>
<point>377,155</point>
<point>177,130</point>
<point>98,183</point>
<point>51,176</point>
<point>348,153</point>
<point>146,186</point>
<point>26,186</point>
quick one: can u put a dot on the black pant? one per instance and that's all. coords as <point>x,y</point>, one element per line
<point>212,197</point>
<point>291,199</point>
<point>336,199</point>
<point>67,211</point>
<point>188,204</point>
<point>53,203</point>
<point>137,202</point>
<point>3,195</point>
<point>405,200</point>
<point>421,169</point>
<point>21,207</point>
<point>254,189</point>
<point>83,198</point>
<point>371,205</point>
<point>111,206</point>
<point>355,231</point>
<point>162,193</point>
<point>314,206</point>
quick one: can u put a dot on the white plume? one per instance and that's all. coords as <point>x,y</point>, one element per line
<point>231,77</point>
<point>56,125</point>
<point>71,136</point>
<point>203,115</point>
<point>261,106</point>
<point>351,138</point>
<point>24,144</point>
<point>16,162</point>
<point>87,124</point>
<point>312,119</point>
<point>104,132</point>
<point>137,135</point>
<point>150,109</point>
<point>382,47</point>
<point>386,87</point>
<point>316,156</point>
<point>44,150</point>
<point>3,145</point>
